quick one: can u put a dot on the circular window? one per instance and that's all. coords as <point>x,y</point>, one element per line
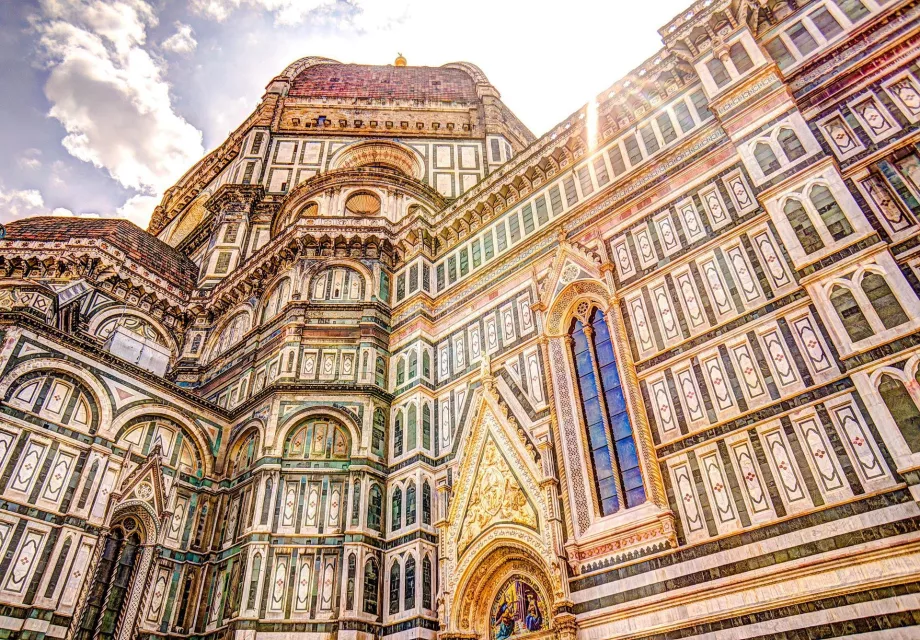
<point>363,204</point>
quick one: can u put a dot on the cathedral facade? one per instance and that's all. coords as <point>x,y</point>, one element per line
<point>386,365</point>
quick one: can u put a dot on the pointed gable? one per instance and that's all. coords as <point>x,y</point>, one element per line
<point>496,497</point>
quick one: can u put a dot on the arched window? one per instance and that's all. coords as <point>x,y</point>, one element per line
<point>426,427</point>
<point>830,212</point>
<point>426,583</point>
<point>232,333</point>
<point>765,157</point>
<point>355,502</point>
<point>410,503</point>
<point>350,587</point>
<point>410,584</point>
<point>110,583</point>
<point>394,588</point>
<point>254,581</point>
<point>396,509</point>
<point>883,300</point>
<point>398,434</point>
<point>320,438</point>
<point>851,315</point>
<point>617,478</point>
<point>374,507</point>
<point>426,503</point>
<point>400,372</point>
<point>379,435</point>
<point>740,58</point>
<point>791,144</point>
<point>276,300</point>
<point>56,397</point>
<point>338,283</point>
<point>413,364</point>
<point>903,410</point>
<point>802,226</point>
<point>370,587</point>
<point>412,428</point>
<point>380,373</point>
<point>426,365</point>
<point>718,72</point>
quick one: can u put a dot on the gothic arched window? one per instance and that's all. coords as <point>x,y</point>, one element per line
<point>254,581</point>
<point>718,72</point>
<point>394,588</point>
<point>413,364</point>
<point>426,364</point>
<point>831,213</point>
<point>398,434</point>
<point>614,461</point>
<point>412,428</point>
<point>802,226</point>
<point>374,507</point>
<point>791,144</point>
<point>765,157</point>
<point>902,408</point>
<point>851,315</point>
<point>426,503</point>
<point>400,372</point>
<point>370,587</point>
<point>110,583</point>
<point>426,427</point>
<point>380,373</point>
<point>355,503</point>
<point>410,503</point>
<point>350,587</point>
<point>396,509</point>
<point>410,584</point>
<point>883,300</point>
<point>276,300</point>
<point>379,435</point>
<point>426,583</point>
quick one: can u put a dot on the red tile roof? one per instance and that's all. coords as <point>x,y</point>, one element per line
<point>395,83</point>
<point>137,244</point>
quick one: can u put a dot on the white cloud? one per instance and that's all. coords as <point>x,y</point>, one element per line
<point>139,208</point>
<point>21,203</point>
<point>364,14</point>
<point>30,159</point>
<point>182,41</point>
<point>286,12</point>
<point>110,94</point>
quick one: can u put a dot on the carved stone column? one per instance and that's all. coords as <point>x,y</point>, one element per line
<point>569,429</point>
<point>642,432</point>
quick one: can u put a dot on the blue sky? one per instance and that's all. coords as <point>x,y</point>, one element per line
<point>106,103</point>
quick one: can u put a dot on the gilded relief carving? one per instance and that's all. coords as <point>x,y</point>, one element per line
<point>496,497</point>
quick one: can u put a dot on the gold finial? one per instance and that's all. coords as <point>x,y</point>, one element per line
<point>400,60</point>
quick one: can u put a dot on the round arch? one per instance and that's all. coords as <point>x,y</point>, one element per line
<point>96,388</point>
<point>477,589</point>
<point>199,440</point>
<point>295,420</point>
<point>102,317</point>
<point>380,152</point>
<point>245,308</point>
<point>316,267</point>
